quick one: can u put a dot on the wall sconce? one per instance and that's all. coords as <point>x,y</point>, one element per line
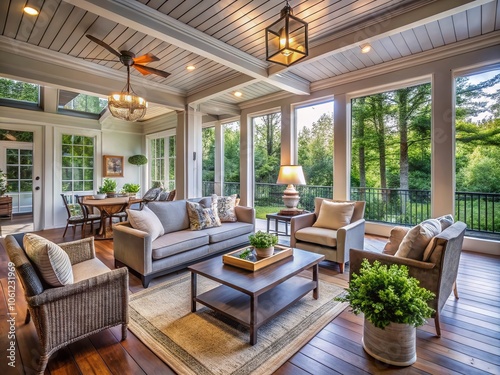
<point>286,39</point>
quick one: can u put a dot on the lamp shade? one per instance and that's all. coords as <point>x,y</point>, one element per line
<point>291,175</point>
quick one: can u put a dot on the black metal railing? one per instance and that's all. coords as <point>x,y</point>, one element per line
<point>480,211</point>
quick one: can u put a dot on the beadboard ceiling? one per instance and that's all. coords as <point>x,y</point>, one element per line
<point>224,40</point>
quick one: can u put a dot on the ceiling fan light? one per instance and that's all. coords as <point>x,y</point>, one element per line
<point>127,106</point>
<point>286,39</point>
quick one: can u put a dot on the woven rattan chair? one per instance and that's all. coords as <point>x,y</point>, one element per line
<point>97,300</point>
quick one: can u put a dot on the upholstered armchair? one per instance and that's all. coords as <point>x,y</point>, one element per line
<point>96,300</point>
<point>331,231</point>
<point>438,273</point>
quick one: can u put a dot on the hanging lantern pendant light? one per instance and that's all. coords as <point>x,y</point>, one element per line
<point>286,39</point>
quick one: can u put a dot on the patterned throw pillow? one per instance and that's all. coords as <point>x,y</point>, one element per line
<point>201,217</point>
<point>50,259</point>
<point>152,194</point>
<point>225,208</point>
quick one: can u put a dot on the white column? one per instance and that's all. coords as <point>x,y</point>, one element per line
<point>246,160</point>
<point>442,143</point>
<point>192,152</point>
<point>50,99</point>
<point>219,158</point>
<point>341,148</point>
<point>288,147</point>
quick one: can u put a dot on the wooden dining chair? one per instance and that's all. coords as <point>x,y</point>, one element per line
<point>89,216</point>
<point>75,217</point>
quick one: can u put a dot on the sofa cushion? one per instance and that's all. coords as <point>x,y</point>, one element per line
<point>417,239</point>
<point>334,215</point>
<point>173,215</point>
<point>201,217</point>
<point>147,221</point>
<point>152,194</point>
<point>227,231</point>
<point>89,268</point>
<point>163,195</point>
<point>225,208</point>
<point>446,221</point>
<point>52,261</point>
<point>395,239</point>
<point>320,236</point>
<point>178,242</point>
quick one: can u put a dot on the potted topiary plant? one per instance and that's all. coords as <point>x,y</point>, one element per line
<point>138,159</point>
<point>263,243</point>
<point>393,305</point>
<point>108,187</point>
<point>131,189</point>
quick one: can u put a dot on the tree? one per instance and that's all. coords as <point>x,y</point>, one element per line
<point>267,147</point>
<point>17,90</point>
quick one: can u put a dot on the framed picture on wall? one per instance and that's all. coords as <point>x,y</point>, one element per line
<point>113,166</point>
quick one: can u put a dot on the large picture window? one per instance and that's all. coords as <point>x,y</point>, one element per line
<point>77,163</point>
<point>162,161</point>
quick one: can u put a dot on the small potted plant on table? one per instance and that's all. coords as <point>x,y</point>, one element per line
<point>131,189</point>
<point>393,306</point>
<point>263,243</point>
<point>108,187</point>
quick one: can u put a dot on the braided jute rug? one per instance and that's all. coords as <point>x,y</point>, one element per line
<point>208,343</point>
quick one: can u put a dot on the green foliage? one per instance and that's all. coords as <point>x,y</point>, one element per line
<point>387,294</point>
<point>131,188</point>
<point>138,159</point>
<point>3,183</point>
<point>108,186</point>
<point>17,90</point>
<point>262,240</point>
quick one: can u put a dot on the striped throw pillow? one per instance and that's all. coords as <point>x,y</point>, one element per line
<point>52,261</point>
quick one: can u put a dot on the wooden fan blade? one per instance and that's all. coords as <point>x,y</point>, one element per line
<point>102,44</point>
<point>148,57</point>
<point>148,70</point>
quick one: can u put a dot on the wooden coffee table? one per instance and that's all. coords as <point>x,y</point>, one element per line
<point>253,298</point>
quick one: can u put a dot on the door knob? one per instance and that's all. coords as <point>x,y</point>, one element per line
<point>37,188</point>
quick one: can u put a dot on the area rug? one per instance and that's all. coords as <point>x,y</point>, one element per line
<point>207,343</point>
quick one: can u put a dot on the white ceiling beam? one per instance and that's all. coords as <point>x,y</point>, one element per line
<point>382,26</point>
<point>219,89</point>
<point>149,21</point>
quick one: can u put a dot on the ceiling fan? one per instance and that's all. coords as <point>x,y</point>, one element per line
<point>128,59</point>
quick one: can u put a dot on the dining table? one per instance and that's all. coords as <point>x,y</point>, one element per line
<point>108,207</point>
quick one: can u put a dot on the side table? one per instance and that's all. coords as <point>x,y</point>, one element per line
<point>6,207</point>
<point>279,219</point>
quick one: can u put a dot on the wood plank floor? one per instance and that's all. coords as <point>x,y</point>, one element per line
<point>470,342</point>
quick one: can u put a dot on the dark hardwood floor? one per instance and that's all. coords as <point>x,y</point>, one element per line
<point>470,342</point>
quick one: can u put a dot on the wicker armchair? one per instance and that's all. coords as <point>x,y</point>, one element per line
<point>97,300</point>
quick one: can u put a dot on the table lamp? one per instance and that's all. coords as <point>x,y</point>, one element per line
<point>291,175</point>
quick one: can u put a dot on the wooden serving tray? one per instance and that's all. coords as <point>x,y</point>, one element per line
<point>253,262</point>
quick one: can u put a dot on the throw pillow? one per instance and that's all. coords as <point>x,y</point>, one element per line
<point>171,196</point>
<point>152,194</point>
<point>395,239</point>
<point>417,239</point>
<point>201,217</point>
<point>50,259</point>
<point>334,215</point>
<point>446,221</point>
<point>163,195</point>
<point>225,208</point>
<point>147,221</point>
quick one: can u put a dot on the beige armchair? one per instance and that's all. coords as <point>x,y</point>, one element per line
<point>438,274</point>
<point>334,244</point>
<point>97,300</point>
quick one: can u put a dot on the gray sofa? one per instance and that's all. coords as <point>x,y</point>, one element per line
<point>179,246</point>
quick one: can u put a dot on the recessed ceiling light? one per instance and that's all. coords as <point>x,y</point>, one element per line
<point>238,94</point>
<point>190,67</point>
<point>31,11</point>
<point>366,48</point>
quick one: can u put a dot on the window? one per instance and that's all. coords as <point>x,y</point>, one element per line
<point>19,169</point>
<point>77,163</point>
<point>162,161</point>
<point>231,181</point>
<point>267,158</point>
<point>76,102</point>
<point>208,160</point>
<point>19,94</point>
<point>477,123</point>
<point>315,151</point>
<point>391,154</point>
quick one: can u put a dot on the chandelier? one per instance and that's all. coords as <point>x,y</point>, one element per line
<point>286,39</point>
<point>127,105</point>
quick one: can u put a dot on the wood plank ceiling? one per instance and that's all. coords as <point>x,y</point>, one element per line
<point>227,39</point>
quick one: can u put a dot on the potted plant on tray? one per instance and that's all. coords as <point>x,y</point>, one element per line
<point>263,243</point>
<point>393,305</point>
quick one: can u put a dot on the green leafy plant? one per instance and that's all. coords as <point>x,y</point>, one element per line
<point>3,183</point>
<point>262,240</point>
<point>131,188</point>
<point>387,294</point>
<point>108,186</point>
<point>138,159</point>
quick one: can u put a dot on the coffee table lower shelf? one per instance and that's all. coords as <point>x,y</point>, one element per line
<point>238,306</point>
